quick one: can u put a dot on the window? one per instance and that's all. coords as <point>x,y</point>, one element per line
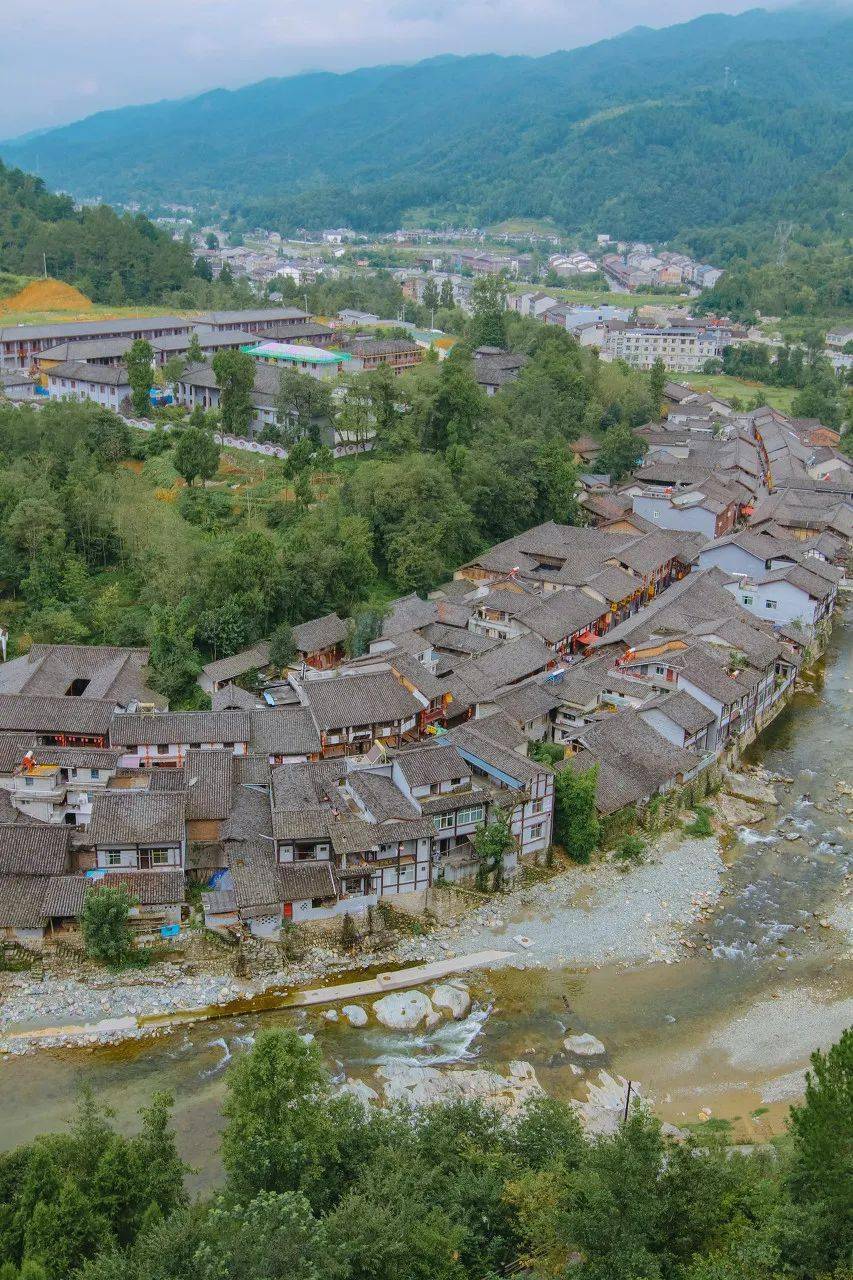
<point>771,604</point>
<point>113,859</point>
<point>159,857</point>
<point>443,821</point>
<point>162,749</point>
<point>94,773</point>
<point>537,806</point>
<point>747,599</point>
<point>474,814</point>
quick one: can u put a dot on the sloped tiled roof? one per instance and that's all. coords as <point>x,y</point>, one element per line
<point>33,849</point>
<point>320,633</point>
<point>138,817</point>
<point>371,697</point>
<point>284,731</point>
<point>178,727</point>
<point>82,717</point>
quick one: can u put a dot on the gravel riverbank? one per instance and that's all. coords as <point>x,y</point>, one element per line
<point>592,916</point>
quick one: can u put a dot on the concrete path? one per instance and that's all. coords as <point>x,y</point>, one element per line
<point>396,980</point>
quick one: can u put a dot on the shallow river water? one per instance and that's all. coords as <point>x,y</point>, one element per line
<point>728,1028</point>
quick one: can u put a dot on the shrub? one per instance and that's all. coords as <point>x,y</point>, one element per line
<point>701,825</point>
<point>632,849</point>
<point>104,921</point>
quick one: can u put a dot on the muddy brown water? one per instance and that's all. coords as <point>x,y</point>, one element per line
<point>728,1028</point>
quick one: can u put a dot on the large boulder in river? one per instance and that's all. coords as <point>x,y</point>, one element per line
<point>419,1086</point>
<point>403,1010</point>
<point>735,812</point>
<point>455,1000</point>
<point>746,786</point>
<point>354,1015</point>
<point>584,1045</point>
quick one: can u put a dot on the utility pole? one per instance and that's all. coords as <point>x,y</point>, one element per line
<point>627,1102</point>
<point>44,264</point>
<point>727,70</point>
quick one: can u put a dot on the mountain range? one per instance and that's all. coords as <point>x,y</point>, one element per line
<point>705,127</point>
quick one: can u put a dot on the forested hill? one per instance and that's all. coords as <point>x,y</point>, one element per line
<point>111,258</point>
<point>644,135</point>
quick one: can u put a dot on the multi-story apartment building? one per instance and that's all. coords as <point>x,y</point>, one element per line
<point>683,350</point>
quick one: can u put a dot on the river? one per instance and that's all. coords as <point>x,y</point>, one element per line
<point>729,1028</point>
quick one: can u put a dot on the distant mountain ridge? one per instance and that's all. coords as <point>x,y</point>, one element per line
<point>713,123</point>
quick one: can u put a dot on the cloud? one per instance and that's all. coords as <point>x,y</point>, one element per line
<point>96,54</point>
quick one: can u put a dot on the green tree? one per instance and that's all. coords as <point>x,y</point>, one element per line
<point>431,296</point>
<point>235,377</point>
<point>173,370</point>
<point>302,404</point>
<point>818,1233</point>
<point>492,842</point>
<point>657,382</point>
<point>284,1132</point>
<point>488,300</point>
<point>576,825</point>
<point>446,300</point>
<point>195,354</point>
<point>104,923</point>
<point>139,362</point>
<point>196,454</point>
<point>282,646</point>
<point>621,451</point>
<point>175,662</point>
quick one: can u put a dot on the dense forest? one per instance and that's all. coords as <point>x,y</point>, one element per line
<point>318,1188</point>
<point>691,131</point>
<point>110,258</point>
<point>114,536</point>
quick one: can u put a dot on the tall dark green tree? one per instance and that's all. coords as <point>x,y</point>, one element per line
<point>140,374</point>
<point>235,377</point>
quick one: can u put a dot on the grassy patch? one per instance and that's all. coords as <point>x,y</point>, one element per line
<point>722,385</point>
<point>701,824</point>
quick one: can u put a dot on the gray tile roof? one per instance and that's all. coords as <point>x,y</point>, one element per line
<point>80,717</point>
<point>78,757</point>
<point>683,710</point>
<point>529,701</point>
<point>13,748</point>
<point>239,663</point>
<point>21,900</point>
<point>562,613</point>
<point>471,742</point>
<point>110,672</point>
<point>369,698</point>
<point>112,375</point>
<point>138,817</point>
<point>379,795</point>
<point>320,633</point>
<point>230,697</point>
<point>426,765</point>
<point>260,881</point>
<point>177,727</point>
<point>208,780</point>
<point>148,888</point>
<point>33,850</point>
<point>284,731</point>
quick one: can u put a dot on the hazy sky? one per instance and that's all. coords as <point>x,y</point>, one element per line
<point>68,58</point>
